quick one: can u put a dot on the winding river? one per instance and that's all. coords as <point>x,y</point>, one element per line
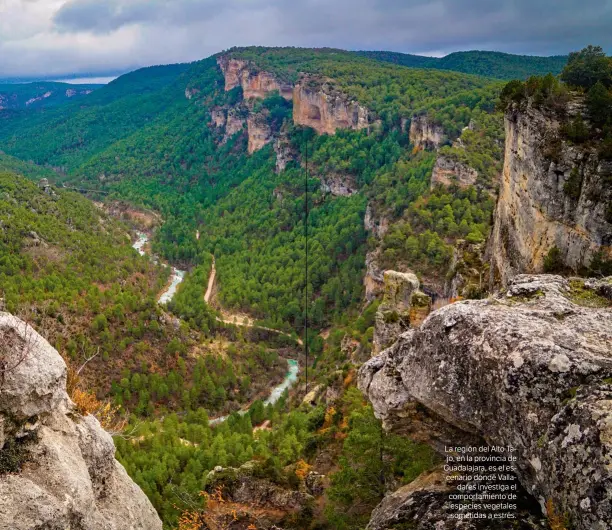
<point>177,274</point>
<point>176,279</point>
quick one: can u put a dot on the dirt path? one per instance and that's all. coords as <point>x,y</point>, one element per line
<point>211,282</point>
<point>238,319</point>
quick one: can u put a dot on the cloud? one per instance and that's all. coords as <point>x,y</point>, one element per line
<point>57,37</point>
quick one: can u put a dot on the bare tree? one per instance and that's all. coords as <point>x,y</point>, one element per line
<point>17,342</point>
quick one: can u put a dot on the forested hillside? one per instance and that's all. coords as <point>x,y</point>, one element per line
<point>489,64</point>
<point>41,95</point>
<point>219,150</point>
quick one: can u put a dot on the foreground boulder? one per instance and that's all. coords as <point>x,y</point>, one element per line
<point>531,368</point>
<point>57,468</point>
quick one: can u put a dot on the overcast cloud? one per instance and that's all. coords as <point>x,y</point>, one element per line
<point>60,37</point>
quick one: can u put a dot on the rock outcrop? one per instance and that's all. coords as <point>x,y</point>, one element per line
<point>245,496</point>
<point>401,292</point>
<point>338,185</point>
<point>58,467</point>
<point>254,82</point>
<point>468,273</point>
<point>317,104</point>
<point>448,171</point>
<point>426,504</point>
<point>285,151</point>
<point>534,212</point>
<point>260,132</point>
<point>426,134</point>
<point>531,368</point>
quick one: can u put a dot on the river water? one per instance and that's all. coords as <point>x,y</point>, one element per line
<point>177,277</point>
<point>177,274</point>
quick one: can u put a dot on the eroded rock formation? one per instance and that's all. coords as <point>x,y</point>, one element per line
<point>60,470</point>
<point>448,171</point>
<point>426,134</point>
<point>317,104</point>
<point>254,82</point>
<point>247,497</point>
<point>534,212</point>
<point>260,132</point>
<point>401,293</point>
<point>531,368</point>
<point>338,185</point>
<point>377,225</point>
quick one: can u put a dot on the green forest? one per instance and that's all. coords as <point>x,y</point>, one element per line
<point>149,140</point>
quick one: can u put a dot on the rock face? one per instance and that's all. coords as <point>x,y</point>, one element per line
<point>534,213</point>
<point>251,499</point>
<point>68,476</point>
<point>338,185</point>
<point>285,152</point>
<point>468,273</point>
<point>447,171</point>
<point>425,504</point>
<point>254,83</point>
<point>260,133</point>
<point>530,368</point>
<point>318,105</point>
<point>393,315</point>
<point>426,134</point>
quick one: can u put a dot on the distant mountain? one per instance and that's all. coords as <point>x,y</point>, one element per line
<point>41,94</point>
<point>490,64</point>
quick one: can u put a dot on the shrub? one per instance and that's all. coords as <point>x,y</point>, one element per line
<point>587,67</point>
<point>573,185</point>
<point>576,130</point>
<point>553,262</point>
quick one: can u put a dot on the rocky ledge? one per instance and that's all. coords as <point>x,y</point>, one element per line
<point>57,468</point>
<point>530,367</point>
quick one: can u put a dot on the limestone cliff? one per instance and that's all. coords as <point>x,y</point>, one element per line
<point>254,82</point>
<point>426,134</point>
<point>338,185</point>
<point>401,294</point>
<point>317,104</point>
<point>449,171</point>
<point>260,132</point>
<point>57,468</point>
<point>534,210</point>
<point>531,368</point>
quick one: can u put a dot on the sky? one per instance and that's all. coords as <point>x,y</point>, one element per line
<point>42,38</point>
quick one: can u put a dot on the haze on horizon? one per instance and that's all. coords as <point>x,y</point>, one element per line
<point>58,38</point>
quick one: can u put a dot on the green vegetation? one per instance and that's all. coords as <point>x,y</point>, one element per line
<point>170,459</point>
<point>553,262</point>
<point>42,94</point>
<point>489,64</point>
<point>580,295</point>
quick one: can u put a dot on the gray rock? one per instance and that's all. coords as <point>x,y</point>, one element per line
<point>70,478</point>
<point>531,368</point>
<point>425,504</point>
<point>33,374</point>
<point>534,213</point>
<point>393,315</point>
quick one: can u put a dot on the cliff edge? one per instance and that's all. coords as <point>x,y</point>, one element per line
<point>57,468</point>
<point>552,194</point>
<point>531,368</point>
